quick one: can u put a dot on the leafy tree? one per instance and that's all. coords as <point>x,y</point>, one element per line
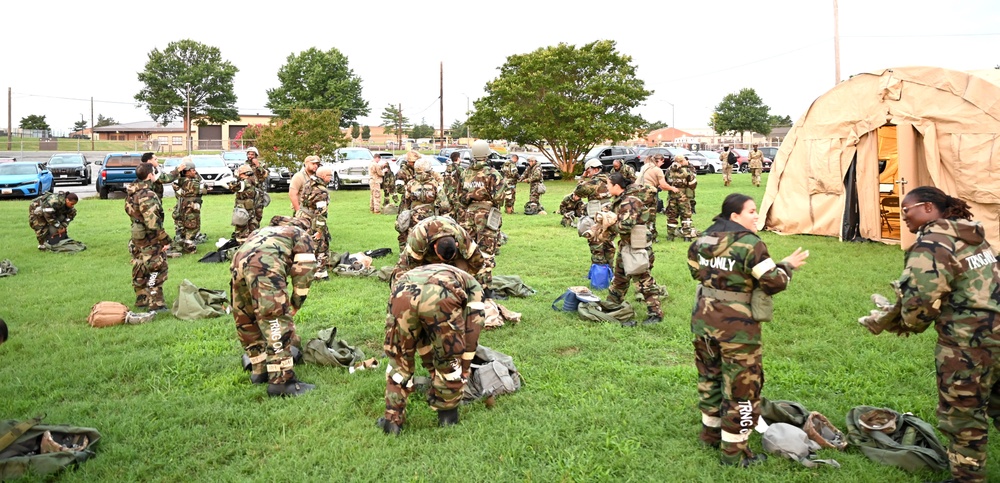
<point>778,121</point>
<point>394,122</point>
<point>422,130</point>
<point>79,125</point>
<point>104,121</point>
<point>186,62</point>
<point>460,130</point>
<point>565,97</point>
<point>34,122</point>
<point>654,125</point>
<point>286,142</point>
<point>318,80</point>
<point>741,112</point>
<point>366,133</point>
<point>355,130</point>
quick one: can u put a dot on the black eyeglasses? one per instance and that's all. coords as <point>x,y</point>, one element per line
<point>906,209</point>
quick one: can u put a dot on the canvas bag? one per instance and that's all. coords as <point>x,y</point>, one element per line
<point>22,450</point>
<point>328,350</point>
<point>761,306</point>
<point>65,245</point>
<point>541,189</point>
<point>911,444</point>
<point>572,297</point>
<point>107,314</point>
<point>193,303</point>
<point>7,268</point>
<point>511,286</point>
<point>240,216</point>
<point>635,260</point>
<point>492,373</point>
<point>606,312</point>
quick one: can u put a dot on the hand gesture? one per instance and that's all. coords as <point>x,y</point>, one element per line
<point>797,258</point>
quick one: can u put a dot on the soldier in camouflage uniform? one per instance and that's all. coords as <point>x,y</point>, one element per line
<point>260,175</point>
<point>149,242</point>
<point>510,175</point>
<point>49,215</point>
<point>730,261</point>
<point>436,311</point>
<point>404,175</point>
<point>950,279</point>
<point>571,208</point>
<point>629,212</point>
<point>187,212</point>
<point>727,167</point>
<point>376,175</point>
<point>593,186</point>
<point>627,171</point>
<point>481,195</point>
<point>756,165</point>
<point>262,307</point>
<point>315,208</point>
<point>533,175</point>
<point>652,178</point>
<point>439,239</point>
<point>680,176</point>
<point>246,195</point>
<point>453,184</point>
<point>424,197</point>
<point>159,177</point>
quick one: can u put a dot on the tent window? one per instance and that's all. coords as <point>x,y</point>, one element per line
<point>825,175</point>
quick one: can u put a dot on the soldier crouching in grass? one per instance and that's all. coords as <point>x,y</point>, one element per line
<point>262,307</point>
<point>49,216</point>
<point>436,311</point>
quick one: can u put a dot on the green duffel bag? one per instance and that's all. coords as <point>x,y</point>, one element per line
<point>901,440</point>
<point>27,447</point>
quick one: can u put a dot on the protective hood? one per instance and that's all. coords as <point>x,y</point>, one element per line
<point>970,232</point>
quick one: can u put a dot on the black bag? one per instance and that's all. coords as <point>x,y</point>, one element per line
<point>379,252</point>
<point>42,449</point>
<point>733,158</point>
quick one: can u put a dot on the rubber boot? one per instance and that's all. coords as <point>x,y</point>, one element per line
<point>388,427</point>
<point>292,387</point>
<point>447,417</point>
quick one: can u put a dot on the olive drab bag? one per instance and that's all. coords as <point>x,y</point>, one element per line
<point>605,312</point>
<point>328,350</point>
<point>511,286</point>
<point>891,438</point>
<point>193,303</point>
<point>42,449</point>
<point>492,373</point>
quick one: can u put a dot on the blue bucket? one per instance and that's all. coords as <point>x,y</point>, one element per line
<point>569,302</point>
<point>600,276</point>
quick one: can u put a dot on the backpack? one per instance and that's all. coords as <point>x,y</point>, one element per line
<point>605,312</point>
<point>27,446</point>
<point>492,373</point>
<point>901,440</point>
<point>733,158</point>
<point>106,314</point>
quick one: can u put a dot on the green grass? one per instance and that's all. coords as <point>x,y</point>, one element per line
<point>600,402</point>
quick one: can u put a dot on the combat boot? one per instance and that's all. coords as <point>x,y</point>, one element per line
<point>653,319</point>
<point>388,427</point>
<point>258,378</point>
<point>291,387</point>
<point>447,417</point>
<point>743,459</point>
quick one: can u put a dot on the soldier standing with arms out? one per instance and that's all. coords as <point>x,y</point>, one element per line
<point>629,213</point>
<point>49,215</point>
<point>533,175</point>
<point>246,195</point>
<point>510,175</point>
<point>424,197</point>
<point>436,311</point>
<point>315,207</point>
<point>405,174</point>
<point>453,184</point>
<point>651,176</point>
<point>187,213</point>
<point>727,166</point>
<point>262,307</point>
<point>439,239</point>
<point>376,172</point>
<point>149,243</point>
<point>299,180</point>
<point>950,279</point>
<point>756,165</point>
<point>481,194</point>
<point>626,171</point>
<point>680,176</point>
<point>730,261</point>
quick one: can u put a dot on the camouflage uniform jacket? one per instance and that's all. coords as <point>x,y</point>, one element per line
<point>951,276</point>
<point>424,197</point>
<point>144,208</point>
<point>260,172</point>
<point>509,173</point>
<point>376,171</point>
<point>315,203</point>
<point>452,181</point>
<point>756,159</point>
<point>627,172</point>
<point>403,176</point>
<point>52,207</point>
<point>279,252</point>
<point>593,188</point>
<point>419,246</point>
<point>532,174</point>
<point>468,292</point>
<point>189,189</point>
<point>682,177</point>
<point>246,191</point>
<point>481,184</point>
<point>630,211</point>
<point>731,258</point>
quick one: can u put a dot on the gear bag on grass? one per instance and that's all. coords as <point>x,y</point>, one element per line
<point>511,286</point>
<point>193,303</point>
<point>891,438</point>
<point>42,449</point>
<point>7,268</point>
<point>106,314</point>
<point>604,311</point>
<point>65,245</point>
<point>328,350</point>
<point>572,298</point>
<point>791,442</point>
<point>492,373</point>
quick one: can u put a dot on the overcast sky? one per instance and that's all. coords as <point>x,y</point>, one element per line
<point>691,54</point>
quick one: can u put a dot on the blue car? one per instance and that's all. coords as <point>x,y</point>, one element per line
<point>24,179</point>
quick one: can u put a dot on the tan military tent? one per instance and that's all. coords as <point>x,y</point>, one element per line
<point>849,160</point>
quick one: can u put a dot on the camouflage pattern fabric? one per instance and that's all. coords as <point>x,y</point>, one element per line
<point>510,176</point>
<point>452,185</point>
<point>260,176</point>
<point>481,191</point>
<point>376,175</point>
<point>187,212</point>
<point>405,174</point>
<point>730,258</point>
<point>435,311</point>
<point>756,165</point>
<point>630,211</point>
<point>627,172</point>
<point>49,216</point>
<point>679,204</point>
<point>651,200</point>
<point>571,208</point>
<point>951,280</point>
<point>425,198</point>
<point>727,169</point>
<point>262,306</point>
<point>147,245</point>
<point>246,197</point>
<point>315,205</point>
<point>419,249</point>
<point>533,175</point>
<point>602,252</point>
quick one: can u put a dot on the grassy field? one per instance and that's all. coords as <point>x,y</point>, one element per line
<point>600,402</point>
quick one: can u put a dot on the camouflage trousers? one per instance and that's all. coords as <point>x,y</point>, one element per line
<point>43,231</point>
<point>602,253</point>
<point>322,245</point>
<point>968,381</point>
<point>571,209</point>
<point>375,203</point>
<point>474,222</point>
<point>730,379</point>
<point>679,209</point>
<point>509,197</point>
<point>644,281</point>
<point>187,222</point>
<point>242,232</point>
<point>263,322</point>
<point>149,271</point>
<point>429,320</point>
<point>727,173</point>
<point>755,175</point>
<point>533,195</point>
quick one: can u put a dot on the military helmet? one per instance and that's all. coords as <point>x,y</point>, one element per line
<point>593,163</point>
<point>480,149</point>
<point>680,158</point>
<point>244,169</point>
<point>186,164</point>
<point>423,165</point>
<point>882,420</point>
<point>253,150</point>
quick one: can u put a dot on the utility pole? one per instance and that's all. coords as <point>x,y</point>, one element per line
<point>8,120</point>
<point>92,134</point>
<point>836,43</point>
<point>441,98</point>
<point>187,122</point>
<point>399,124</point>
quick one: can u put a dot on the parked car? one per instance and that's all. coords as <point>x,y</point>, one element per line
<point>385,155</point>
<point>117,170</point>
<point>608,154</point>
<point>279,178</point>
<point>713,165</point>
<point>350,167</point>
<point>234,159</point>
<point>24,179</point>
<point>70,168</point>
<point>697,161</point>
<point>770,152</point>
<point>8,160</point>
<point>668,157</point>
<point>213,170</point>
<point>744,161</point>
<point>437,165</point>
